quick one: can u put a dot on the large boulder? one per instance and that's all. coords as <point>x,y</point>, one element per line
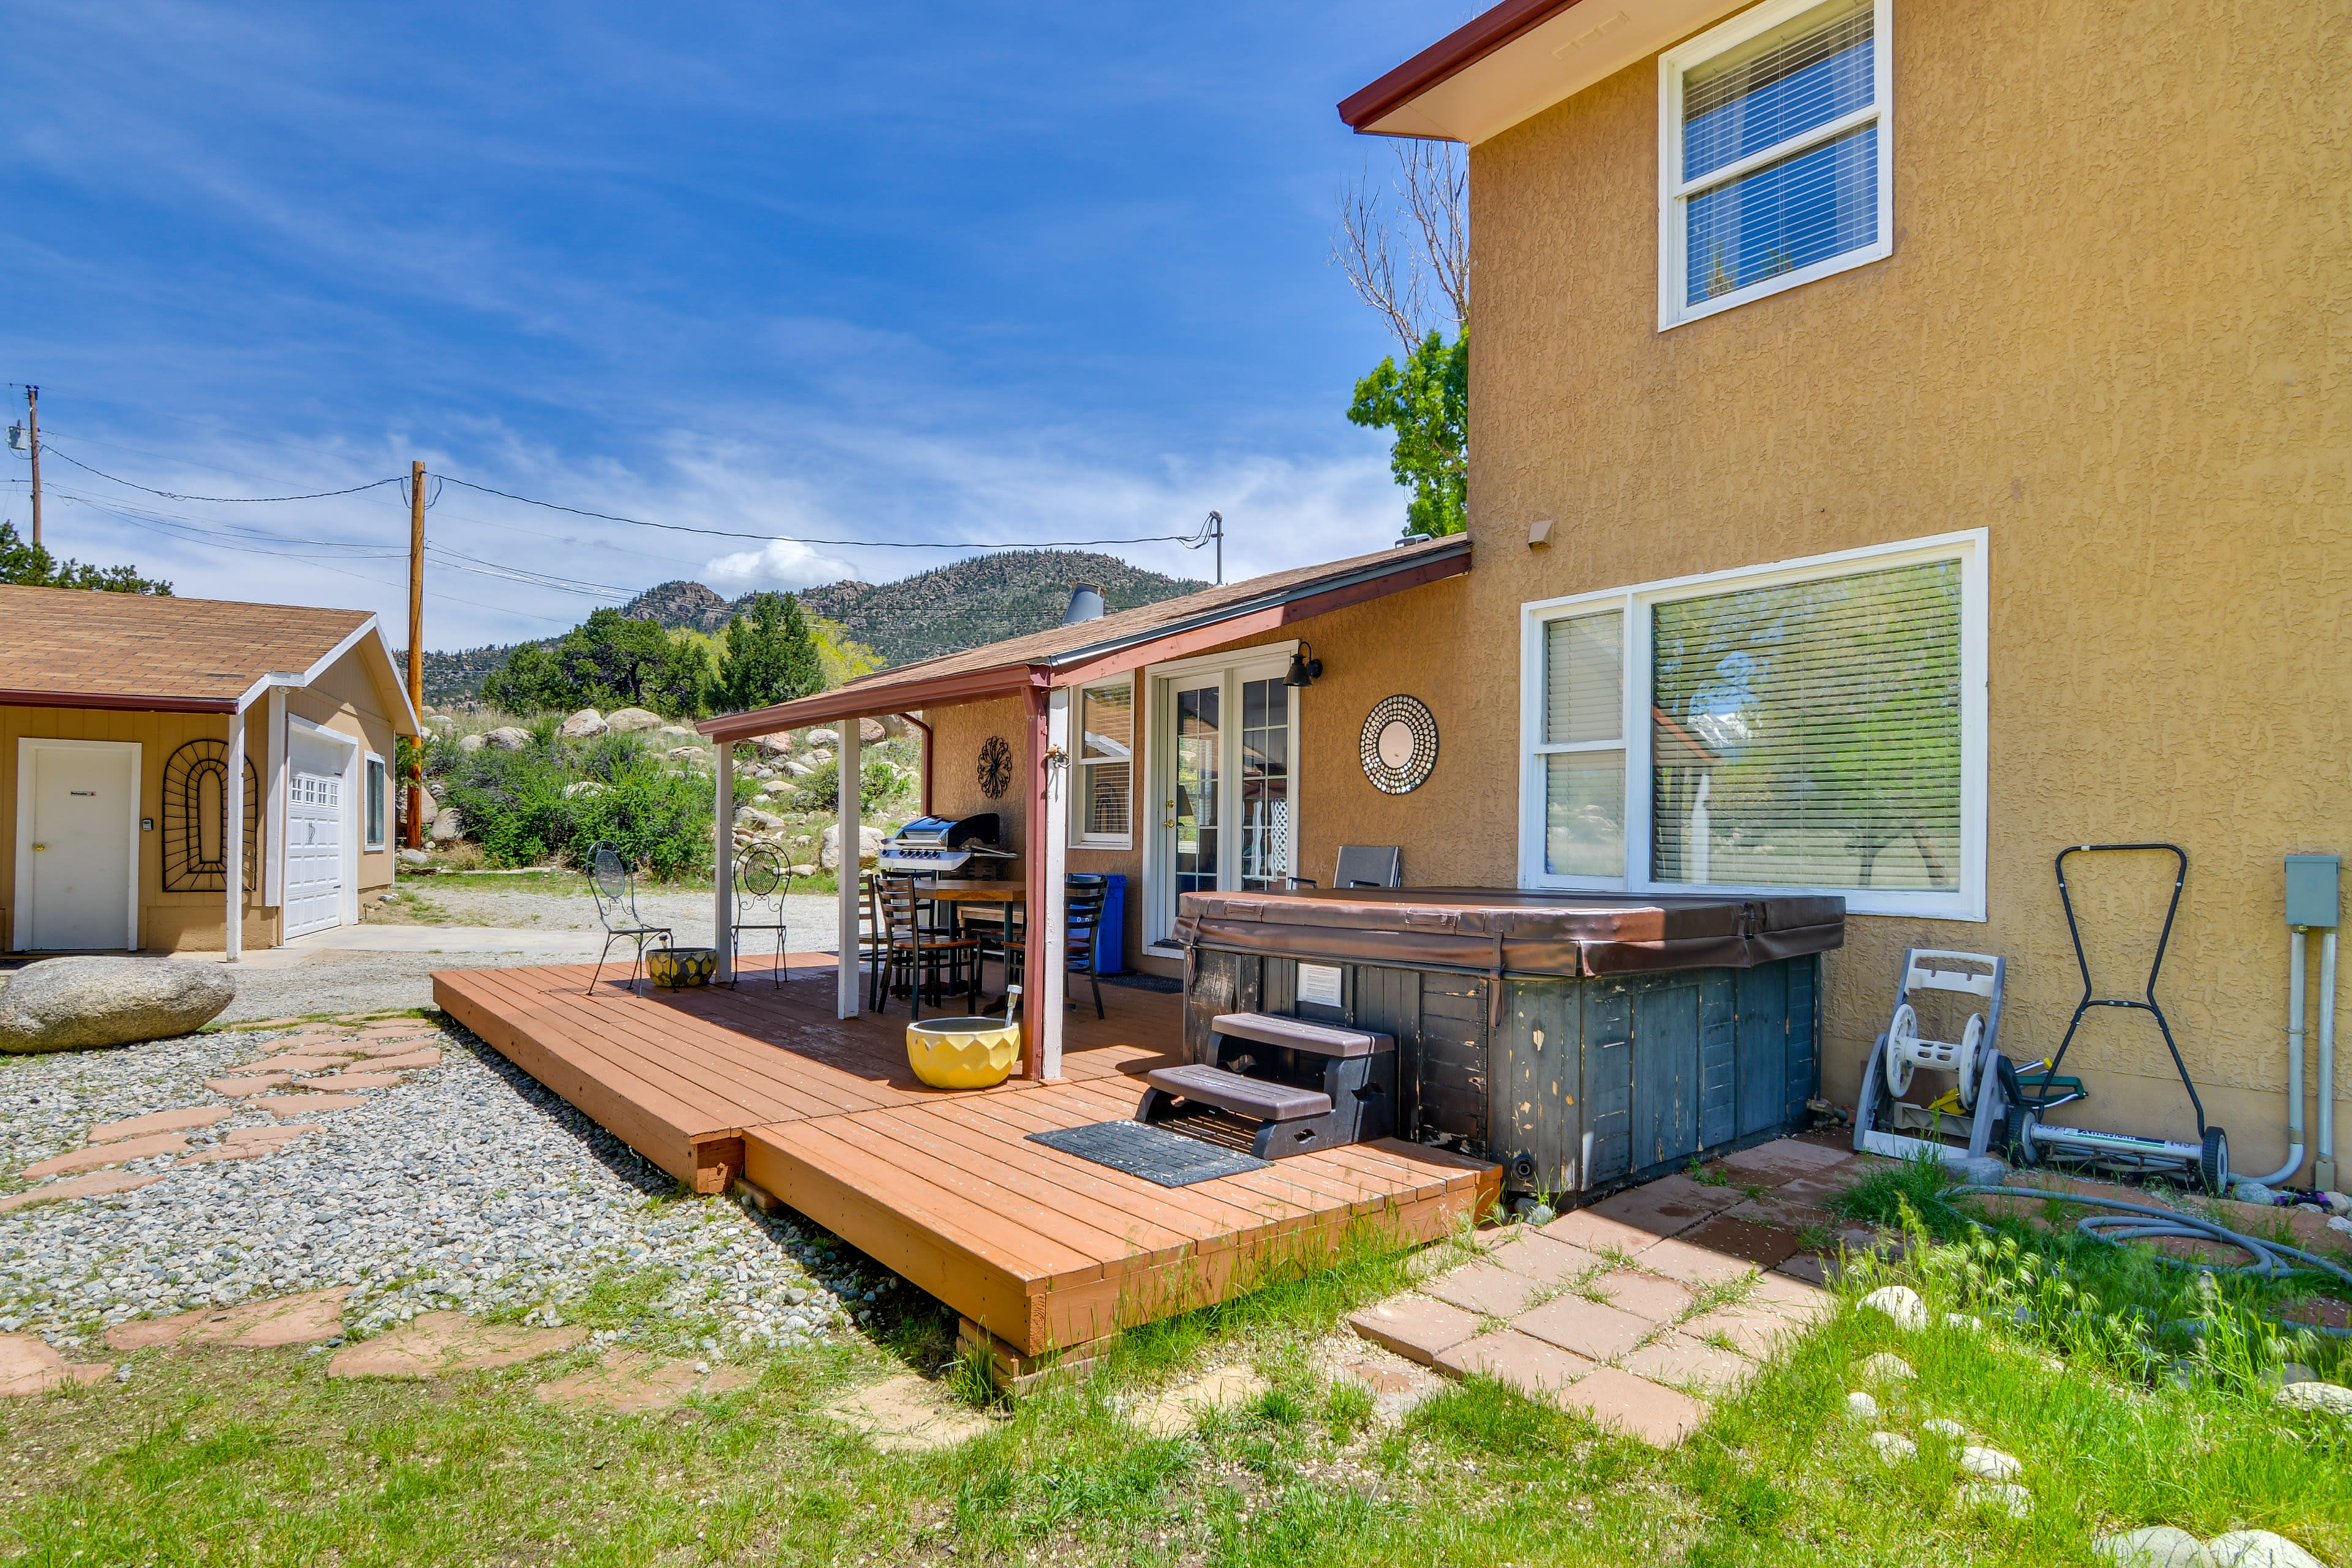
<point>446,828</point>
<point>76,1004</point>
<point>752,817</point>
<point>824,738</point>
<point>469,743</point>
<point>678,734</point>
<point>893,725</point>
<point>869,846</point>
<point>584,725</point>
<point>775,745</point>
<point>508,737</point>
<point>870,730</point>
<point>629,721</point>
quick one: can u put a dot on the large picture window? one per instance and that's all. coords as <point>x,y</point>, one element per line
<point>1818,726</point>
<point>1106,770</point>
<point>1774,167</point>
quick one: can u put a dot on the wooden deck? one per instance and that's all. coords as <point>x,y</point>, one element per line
<point>1041,1249</point>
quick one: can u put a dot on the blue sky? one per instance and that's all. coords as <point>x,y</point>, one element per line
<point>870,271</point>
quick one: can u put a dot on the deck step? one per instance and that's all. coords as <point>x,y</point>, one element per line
<point>1300,1035</point>
<point>1243,1096</point>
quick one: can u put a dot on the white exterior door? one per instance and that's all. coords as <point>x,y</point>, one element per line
<point>1226,777</point>
<point>314,850</point>
<point>77,845</point>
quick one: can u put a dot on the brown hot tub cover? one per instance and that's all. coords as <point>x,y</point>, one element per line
<point>1514,931</point>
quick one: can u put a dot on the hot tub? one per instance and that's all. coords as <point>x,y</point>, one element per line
<point>1581,1041</point>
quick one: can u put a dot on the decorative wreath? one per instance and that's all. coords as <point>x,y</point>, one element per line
<point>995,767</point>
<point>1399,745</point>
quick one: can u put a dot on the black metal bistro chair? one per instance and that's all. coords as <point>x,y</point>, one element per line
<point>615,884</point>
<point>1082,910</point>
<point>913,953</point>
<point>762,883</point>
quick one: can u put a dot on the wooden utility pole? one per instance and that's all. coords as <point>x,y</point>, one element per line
<point>415,652</point>
<point>33,435</point>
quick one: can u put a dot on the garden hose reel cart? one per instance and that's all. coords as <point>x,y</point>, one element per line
<point>1985,1086</point>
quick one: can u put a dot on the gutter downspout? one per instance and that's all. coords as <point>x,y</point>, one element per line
<point>2323,1169</point>
<point>926,729</point>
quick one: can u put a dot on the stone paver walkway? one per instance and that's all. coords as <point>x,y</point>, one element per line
<point>1639,1310</point>
<point>319,1069</point>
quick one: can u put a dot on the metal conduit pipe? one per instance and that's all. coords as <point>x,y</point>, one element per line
<point>2295,1013</point>
<point>2324,1168</point>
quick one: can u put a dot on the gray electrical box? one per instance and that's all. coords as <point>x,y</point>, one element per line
<point>2311,889</point>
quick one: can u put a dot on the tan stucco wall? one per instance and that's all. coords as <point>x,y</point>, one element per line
<point>345,700</point>
<point>2112,334</point>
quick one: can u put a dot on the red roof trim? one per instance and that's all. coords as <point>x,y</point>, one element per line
<point>1449,56</point>
<point>117,701</point>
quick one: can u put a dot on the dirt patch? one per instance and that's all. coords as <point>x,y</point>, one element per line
<point>30,1364</point>
<point>907,1414</point>
<point>306,1319</point>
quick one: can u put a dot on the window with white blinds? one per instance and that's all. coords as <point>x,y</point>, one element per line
<point>1819,726</point>
<point>1775,169</point>
<point>1106,770</point>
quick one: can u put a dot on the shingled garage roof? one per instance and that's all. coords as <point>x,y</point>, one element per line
<point>1094,649</point>
<point>70,648</point>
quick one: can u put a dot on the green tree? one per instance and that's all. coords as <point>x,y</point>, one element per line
<point>32,566</point>
<point>769,657</point>
<point>1426,403</point>
<point>608,659</point>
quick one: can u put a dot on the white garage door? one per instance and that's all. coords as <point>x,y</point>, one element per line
<point>314,851</point>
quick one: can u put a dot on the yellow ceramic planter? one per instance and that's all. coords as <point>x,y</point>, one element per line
<point>680,966</point>
<point>964,1053</point>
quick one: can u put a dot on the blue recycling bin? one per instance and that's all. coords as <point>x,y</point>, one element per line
<point>1111,942</point>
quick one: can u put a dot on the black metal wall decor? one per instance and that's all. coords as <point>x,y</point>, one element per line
<point>1399,744</point>
<point>195,818</point>
<point>995,767</point>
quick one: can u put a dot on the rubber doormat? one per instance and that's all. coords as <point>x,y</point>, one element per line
<point>1155,1154</point>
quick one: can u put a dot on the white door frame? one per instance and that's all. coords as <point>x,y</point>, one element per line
<point>347,906</point>
<point>1153,708</point>
<point>26,746</point>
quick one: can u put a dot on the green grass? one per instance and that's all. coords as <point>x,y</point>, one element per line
<point>218,1456</point>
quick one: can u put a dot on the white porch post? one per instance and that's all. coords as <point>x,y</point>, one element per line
<point>847,1003</point>
<point>723,878</point>
<point>233,841</point>
<point>1052,845</point>
<point>273,802</point>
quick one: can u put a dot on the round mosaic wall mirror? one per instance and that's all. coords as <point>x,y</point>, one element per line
<point>1399,744</point>
<point>995,767</point>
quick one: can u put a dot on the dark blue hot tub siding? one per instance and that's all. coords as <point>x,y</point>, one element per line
<point>1585,1084</point>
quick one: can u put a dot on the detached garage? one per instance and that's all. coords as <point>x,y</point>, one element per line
<point>149,744</point>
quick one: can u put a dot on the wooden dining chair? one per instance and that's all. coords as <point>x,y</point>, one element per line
<point>911,953</point>
<point>1082,910</point>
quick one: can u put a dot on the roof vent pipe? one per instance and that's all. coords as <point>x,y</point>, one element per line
<point>1085,604</point>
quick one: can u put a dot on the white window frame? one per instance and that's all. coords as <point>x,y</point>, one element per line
<point>1964,903</point>
<point>1079,837</point>
<point>1674,192</point>
<point>375,803</point>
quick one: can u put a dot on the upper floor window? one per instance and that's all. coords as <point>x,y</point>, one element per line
<point>1773,168</point>
<point>1815,726</point>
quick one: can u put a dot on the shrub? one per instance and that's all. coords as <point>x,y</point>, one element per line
<point>880,783</point>
<point>512,803</point>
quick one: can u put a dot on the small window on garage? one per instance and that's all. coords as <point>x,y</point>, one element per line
<point>378,802</point>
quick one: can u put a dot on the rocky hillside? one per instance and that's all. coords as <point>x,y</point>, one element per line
<point>952,607</point>
<point>983,600</point>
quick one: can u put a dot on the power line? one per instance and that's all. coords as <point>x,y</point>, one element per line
<point>174,495</point>
<point>794,538</point>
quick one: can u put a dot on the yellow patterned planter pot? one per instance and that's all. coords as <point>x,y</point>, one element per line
<point>680,966</point>
<point>964,1053</point>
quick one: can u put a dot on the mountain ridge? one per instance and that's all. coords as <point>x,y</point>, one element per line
<point>947,609</point>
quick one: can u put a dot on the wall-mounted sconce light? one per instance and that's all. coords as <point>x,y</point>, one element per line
<point>1304,670</point>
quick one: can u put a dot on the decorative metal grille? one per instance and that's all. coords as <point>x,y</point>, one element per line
<point>195,819</point>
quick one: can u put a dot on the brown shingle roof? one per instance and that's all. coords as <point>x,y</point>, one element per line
<point>1035,658</point>
<point>132,650</point>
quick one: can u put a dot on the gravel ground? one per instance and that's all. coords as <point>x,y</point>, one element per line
<point>468,1186</point>
<point>813,917</point>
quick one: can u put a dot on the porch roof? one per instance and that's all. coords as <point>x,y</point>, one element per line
<point>1129,639</point>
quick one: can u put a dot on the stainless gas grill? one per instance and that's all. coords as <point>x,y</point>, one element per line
<point>946,847</point>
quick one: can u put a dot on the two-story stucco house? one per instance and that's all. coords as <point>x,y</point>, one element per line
<point>1938,410</point>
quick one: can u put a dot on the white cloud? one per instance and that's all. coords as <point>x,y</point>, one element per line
<point>779,564</point>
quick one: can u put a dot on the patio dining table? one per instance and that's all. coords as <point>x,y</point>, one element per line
<point>1005,897</point>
